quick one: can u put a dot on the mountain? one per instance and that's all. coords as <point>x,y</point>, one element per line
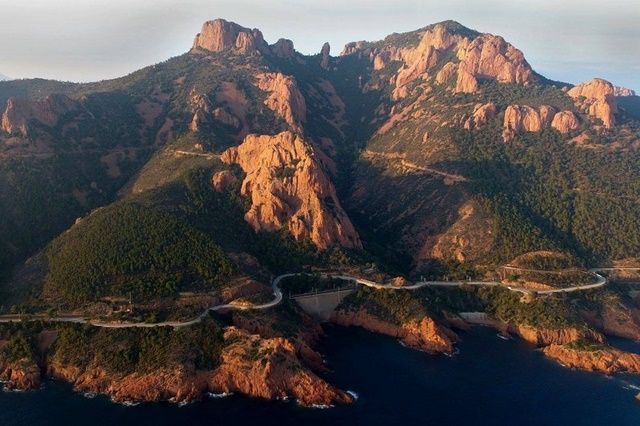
<point>438,145</point>
<point>192,183</point>
<point>4,77</point>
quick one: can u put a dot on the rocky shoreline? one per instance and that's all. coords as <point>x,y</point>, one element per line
<point>599,358</point>
<point>258,361</point>
<point>267,368</point>
<point>425,335</point>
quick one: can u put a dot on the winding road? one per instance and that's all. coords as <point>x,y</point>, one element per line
<point>277,298</point>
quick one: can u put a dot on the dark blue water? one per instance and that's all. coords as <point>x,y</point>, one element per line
<point>491,381</point>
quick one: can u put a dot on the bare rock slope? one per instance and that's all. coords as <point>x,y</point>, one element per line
<point>289,187</point>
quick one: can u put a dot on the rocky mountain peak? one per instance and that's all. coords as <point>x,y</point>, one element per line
<point>596,98</point>
<point>453,50</point>
<point>219,35</point>
<point>353,47</point>
<point>283,48</point>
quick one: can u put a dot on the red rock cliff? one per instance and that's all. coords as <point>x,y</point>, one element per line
<point>604,360</point>
<point>596,98</point>
<point>560,336</point>
<point>24,375</point>
<point>284,98</point>
<point>289,187</point>
<point>250,365</point>
<point>424,335</point>
<point>476,56</point>
<point>219,35</point>
<point>268,368</point>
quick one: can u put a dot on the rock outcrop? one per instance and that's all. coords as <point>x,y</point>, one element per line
<point>308,334</point>
<point>559,336</point>
<point>20,112</point>
<point>482,114</point>
<point>22,375</point>
<point>600,358</point>
<point>249,364</point>
<point>446,72</point>
<point>283,48</point>
<point>424,335</point>
<point>325,56</point>
<point>201,108</point>
<point>204,113</point>
<point>596,98</point>
<point>469,239</point>
<point>177,384</point>
<point>219,35</point>
<point>284,98</point>
<point>223,181</point>
<point>623,91</point>
<point>288,187</point>
<point>614,318</point>
<point>523,118</point>
<point>490,56</point>
<point>565,121</point>
<point>466,82</point>
<point>269,368</point>
<point>353,47</point>
<point>476,56</point>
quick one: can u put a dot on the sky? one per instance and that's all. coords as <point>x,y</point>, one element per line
<point>88,40</point>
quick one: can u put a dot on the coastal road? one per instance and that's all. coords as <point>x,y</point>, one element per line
<point>277,298</point>
<point>600,281</point>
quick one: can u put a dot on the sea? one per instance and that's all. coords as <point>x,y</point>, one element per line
<point>490,381</point>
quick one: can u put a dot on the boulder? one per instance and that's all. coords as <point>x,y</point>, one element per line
<point>565,121</point>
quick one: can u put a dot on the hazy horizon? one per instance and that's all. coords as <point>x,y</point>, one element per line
<point>76,40</point>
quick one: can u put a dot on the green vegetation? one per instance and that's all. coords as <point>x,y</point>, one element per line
<point>141,350</point>
<point>586,346</point>
<point>449,269</point>
<point>19,342</point>
<point>557,279</point>
<point>285,171</point>
<point>306,283</point>
<point>397,307</point>
<point>534,95</point>
<point>403,306</point>
<point>125,249</point>
<point>546,261</point>
<point>549,312</point>
<point>37,200</point>
<point>221,215</point>
<point>18,348</point>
